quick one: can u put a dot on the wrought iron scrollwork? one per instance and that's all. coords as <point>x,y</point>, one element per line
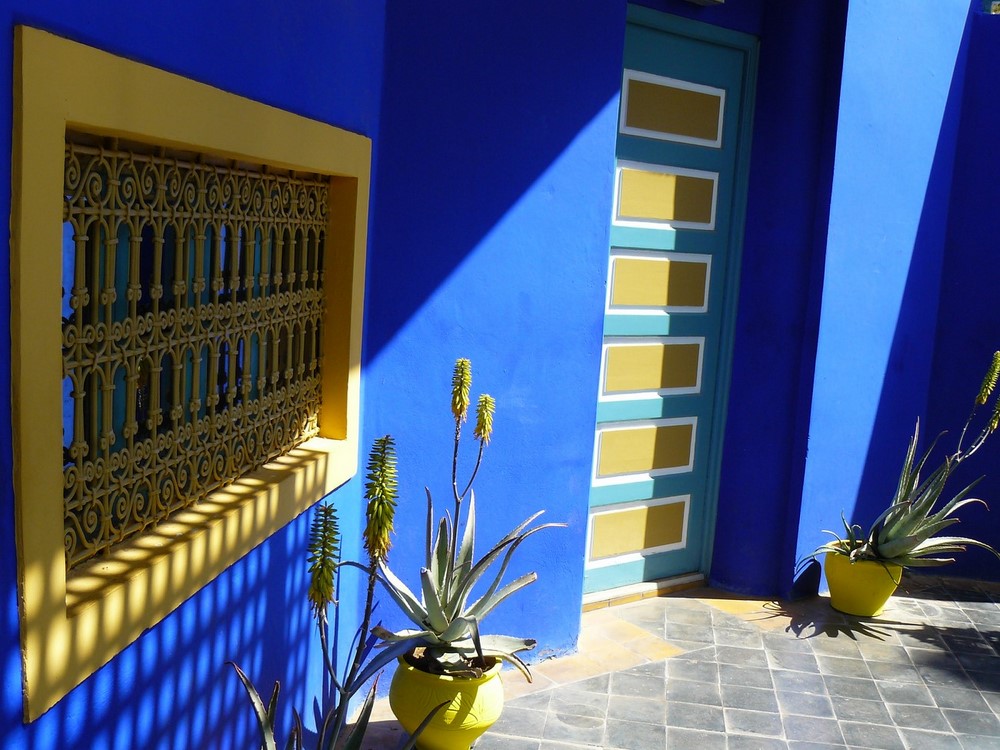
<point>192,314</point>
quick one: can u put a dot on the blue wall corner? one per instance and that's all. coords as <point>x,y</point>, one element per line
<point>896,143</point>
<point>791,167</point>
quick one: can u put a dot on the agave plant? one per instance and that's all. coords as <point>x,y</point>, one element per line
<point>447,637</point>
<point>906,533</point>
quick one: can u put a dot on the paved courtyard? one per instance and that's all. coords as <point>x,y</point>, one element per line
<point>702,669</point>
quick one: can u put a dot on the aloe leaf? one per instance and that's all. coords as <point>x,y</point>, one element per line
<point>508,643</point>
<point>477,642</point>
<point>466,550</point>
<point>488,602</point>
<point>503,647</point>
<point>382,659</point>
<point>923,562</point>
<point>441,560</point>
<point>295,738</point>
<point>961,499</point>
<point>877,524</point>
<point>897,547</point>
<point>923,532</point>
<point>922,505</point>
<point>265,720</point>
<point>412,742</point>
<point>460,628</point>
<point>954,544</point>
<point>428,544</point>
<point>357,735</point>
<point>509,544</point>
<point>436,618</point>
<point>401,594</point>
<point>387,636</point>
<point>906,476</point>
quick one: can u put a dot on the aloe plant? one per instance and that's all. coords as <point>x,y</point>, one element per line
<point>907,532</point>
<point>324,566</point>
<point>447,638</point>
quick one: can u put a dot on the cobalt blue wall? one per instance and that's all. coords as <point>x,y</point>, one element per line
<point>490,241</point>
<point>171,689</point>
<point>899,111</point>
<point>801,53</point>
<point>968,330</point>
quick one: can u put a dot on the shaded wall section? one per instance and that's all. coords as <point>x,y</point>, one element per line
<point>801,53</point>
<point>968,330</point>
<point>172,688</point>
<point>899,111</point>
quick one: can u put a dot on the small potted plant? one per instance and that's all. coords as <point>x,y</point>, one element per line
<point>445,658</point>
<point>863,568</point>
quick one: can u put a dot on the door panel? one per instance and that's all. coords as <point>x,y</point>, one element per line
<point>672,277</point>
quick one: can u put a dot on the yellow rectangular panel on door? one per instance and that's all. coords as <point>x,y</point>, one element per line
<point>647,448</point>
<point>666,197</point>
<point>662,282</point>
<point>653,366</point>
<point>669,109</point>
<point>635,529</point>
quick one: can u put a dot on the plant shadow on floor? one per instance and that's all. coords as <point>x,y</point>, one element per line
<point>950,629</point>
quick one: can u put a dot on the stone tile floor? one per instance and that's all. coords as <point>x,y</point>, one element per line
<point>703,669</point>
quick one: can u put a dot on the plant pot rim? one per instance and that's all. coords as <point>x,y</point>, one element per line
<point>875,560</point>
<point>487,673</point>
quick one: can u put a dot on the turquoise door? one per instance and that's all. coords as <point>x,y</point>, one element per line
<point>673,269</point>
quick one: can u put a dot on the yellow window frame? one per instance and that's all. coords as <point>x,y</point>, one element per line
<point>71,626</point>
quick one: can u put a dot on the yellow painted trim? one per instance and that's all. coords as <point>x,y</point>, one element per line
<point>643,449</point>
<point>673,111</point>
<point>651,367</point>
<point>636,529</point>
<point>658,283</point>
<point>70,629</point>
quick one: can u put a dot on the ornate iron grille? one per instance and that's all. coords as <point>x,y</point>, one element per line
<point>192,308</point>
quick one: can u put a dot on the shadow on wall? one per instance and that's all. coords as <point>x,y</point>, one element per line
<point>172,688</point>
<point>477,106</point>
<point>969,319</point>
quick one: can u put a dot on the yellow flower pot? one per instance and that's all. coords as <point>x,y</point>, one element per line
<point>474,704</point>
<point>862,587</point>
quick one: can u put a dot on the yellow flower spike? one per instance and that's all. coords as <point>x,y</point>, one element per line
<point>990,381</point>
<point>324,549</point>
<point>461,384</point>
<point>380,492</point>
<point>484,418</point>
<point>995,418</point>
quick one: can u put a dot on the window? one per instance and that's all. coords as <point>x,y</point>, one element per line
<point>186,340</point>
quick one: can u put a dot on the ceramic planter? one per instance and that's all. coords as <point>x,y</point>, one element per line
<point>860,588</point>
<point>474,704</point>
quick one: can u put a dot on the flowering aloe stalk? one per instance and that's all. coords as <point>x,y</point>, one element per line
<point>447,623</point>
<point>324,563</point>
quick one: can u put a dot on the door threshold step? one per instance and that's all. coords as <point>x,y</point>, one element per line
<point>637,591</point>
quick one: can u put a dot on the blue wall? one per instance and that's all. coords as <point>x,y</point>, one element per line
<point>494,132</point>
<point>787,213</point>
<point>171,688</point>
<point>490,241</point>
<point>968,329</point>
<point>900,105</point>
